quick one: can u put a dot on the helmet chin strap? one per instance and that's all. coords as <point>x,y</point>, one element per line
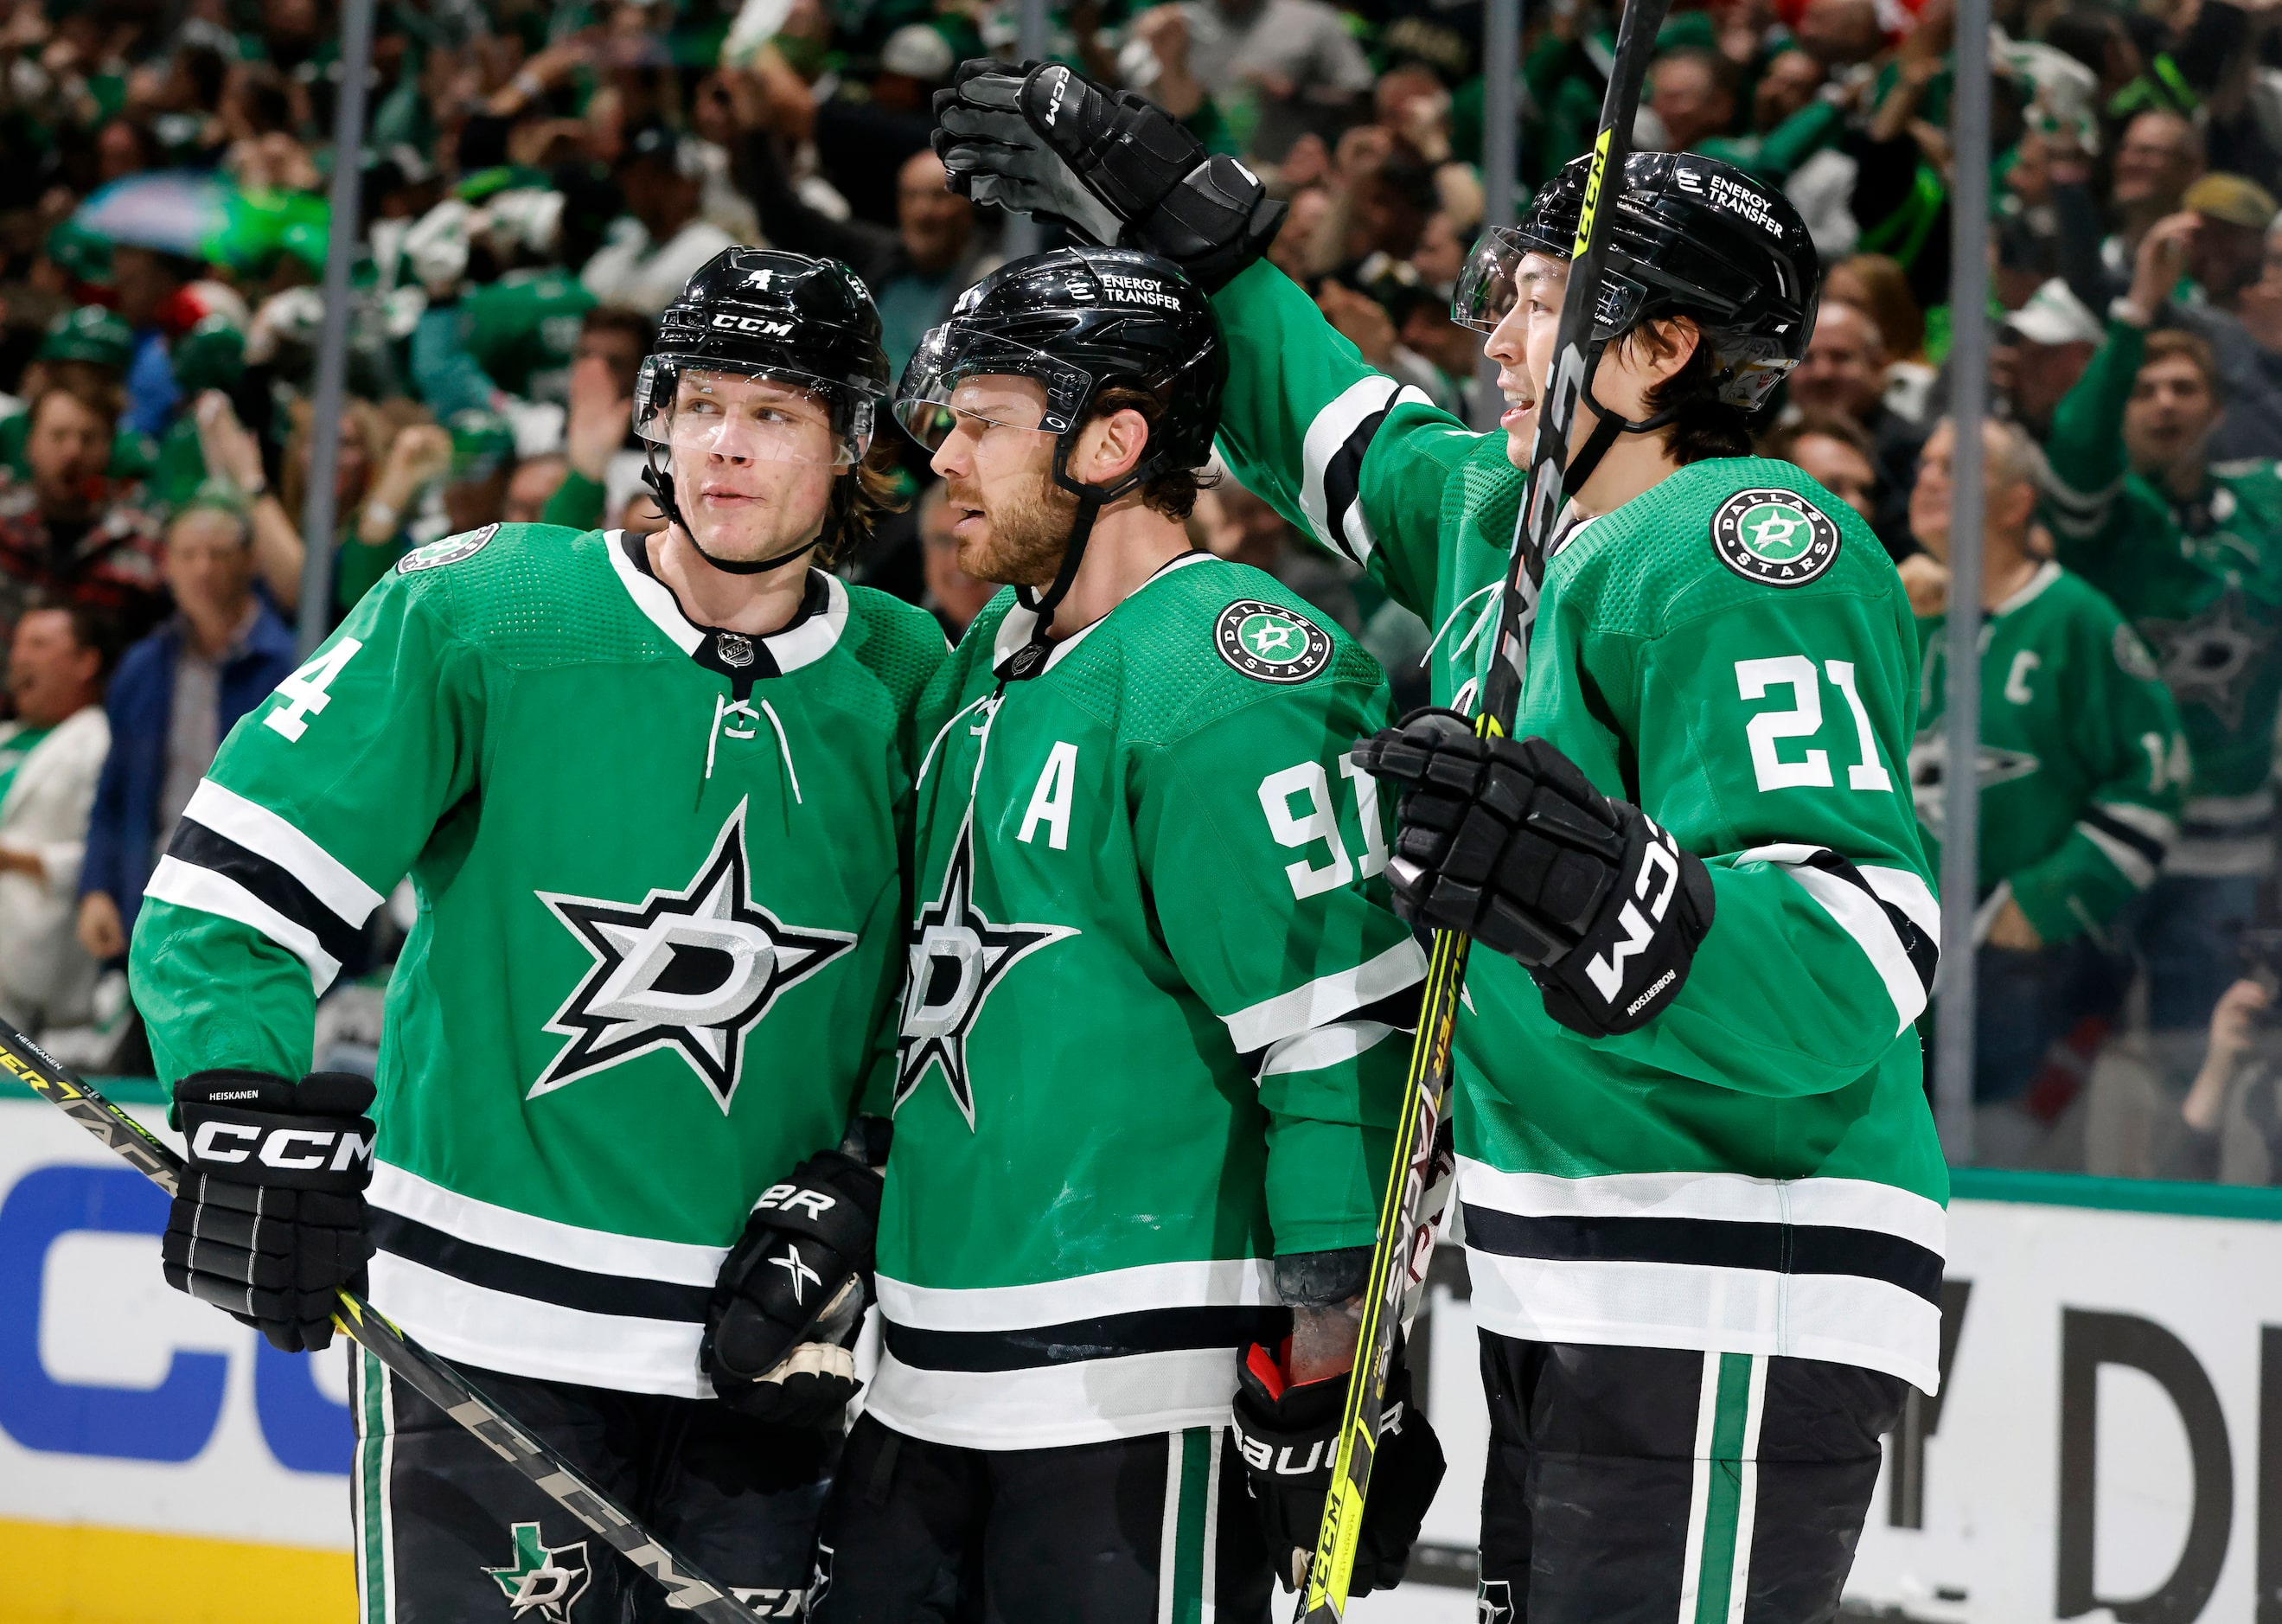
<point>1030,660</point>
<point>1607,426</point>
<point>661,485</point>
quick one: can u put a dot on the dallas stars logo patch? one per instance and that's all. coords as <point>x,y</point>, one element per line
<point>957,957</point>
<point>1776,538</point>
<point>544,1581</point>
<point>450,549</point>
<point>691,971</point>
<point>1270,643</point>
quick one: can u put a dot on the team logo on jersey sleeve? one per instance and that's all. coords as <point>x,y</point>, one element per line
<point>1270,643</point>
<point>450,549</point>
<point>1776,538</point>
<point>691,971</point>
<point>544,1581</point>
<point>958,959</point>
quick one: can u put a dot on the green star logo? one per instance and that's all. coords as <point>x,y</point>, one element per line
<point>1271,643</point>
<point>1776,538</point>
<point>544,1581</point>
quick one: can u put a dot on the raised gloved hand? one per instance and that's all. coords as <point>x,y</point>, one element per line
<point>1289,1437</point>
<point>780,1328</point>
<point>1112,166</point>
<point>1507,841</point>
<point>268,1222</point>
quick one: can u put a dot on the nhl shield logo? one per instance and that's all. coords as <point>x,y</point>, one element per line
<point>1777,537</point>
<point>1270,642</point>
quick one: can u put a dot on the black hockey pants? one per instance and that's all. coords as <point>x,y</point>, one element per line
<point>1134,1531</point>
<point>447,1533</point>
<point>1653,1486</point>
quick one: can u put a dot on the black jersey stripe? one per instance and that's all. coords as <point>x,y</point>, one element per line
<point>2138,839</point>
<point>1112,1336</point>
<point>1343,481</point>
<point>1922,950</point>
<point>1716,1243</point>
<point>202,847</point>
<point>626,1296</point>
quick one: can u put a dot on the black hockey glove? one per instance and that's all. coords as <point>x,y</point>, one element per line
<point>1510,843</point>
<point>781,1329</point>
<point>1289,1437</point>
<point>268,1222</point>
<point>1112,166</point>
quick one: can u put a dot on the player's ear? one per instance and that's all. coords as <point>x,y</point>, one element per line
<point>1112,446</point>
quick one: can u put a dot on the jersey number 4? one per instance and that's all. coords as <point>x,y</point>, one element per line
<point>1803,720</point>
<point>304,692</point>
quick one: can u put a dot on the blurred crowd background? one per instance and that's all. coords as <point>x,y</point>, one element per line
<point>539,177</point>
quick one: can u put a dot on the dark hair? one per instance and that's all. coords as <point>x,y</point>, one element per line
<point>1716,67</point>
<point>1780,443</point>
<point>618,319</point>
<point>1705,426</point>
<point>2173,345</point>
<point>1172,490</point>
<point>91,627</point>
<point>107,399</point>
<point>874,487</point>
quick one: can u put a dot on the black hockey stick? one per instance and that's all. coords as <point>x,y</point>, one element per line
<point>428,1375</point>
<point>1405,1243</point>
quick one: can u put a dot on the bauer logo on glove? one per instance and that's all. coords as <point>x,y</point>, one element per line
<point>1510,843</point>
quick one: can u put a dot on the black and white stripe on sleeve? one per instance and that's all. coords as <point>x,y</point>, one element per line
<point>240,860</point>
<point>1333,455</point>
<point>1890,913</point>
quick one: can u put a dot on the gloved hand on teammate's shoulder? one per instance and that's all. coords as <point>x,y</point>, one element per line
<point>781,1325</point>
<point>1509,841</point>
<point>1288,1434</point>
<point>268,1221</point>
<point>1111,165</point>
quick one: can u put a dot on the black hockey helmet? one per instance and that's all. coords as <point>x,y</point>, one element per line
<point>766,313</point>
<point>1687,236</point>
<point>1079,321</point>
<point>787,317</point>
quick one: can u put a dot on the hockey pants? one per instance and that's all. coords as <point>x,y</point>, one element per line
<point>1655,1486</point>
<point>1134,1531</point>
<point>447,1533</point>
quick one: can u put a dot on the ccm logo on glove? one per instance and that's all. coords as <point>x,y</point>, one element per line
<point>219,1143</point>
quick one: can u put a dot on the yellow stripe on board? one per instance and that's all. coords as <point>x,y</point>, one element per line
<point>57,1574</point>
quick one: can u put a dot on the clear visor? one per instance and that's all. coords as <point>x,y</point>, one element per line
<point>759,417</point>
<point>959,375</point>
<point>1485,288</point>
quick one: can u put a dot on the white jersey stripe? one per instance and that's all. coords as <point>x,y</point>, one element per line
<point>2130,862</point>
<point>498,1331</point>
<point>1247,1282</point>
<point>1846,1319</point>
<point>1859,916</point>
<point>1327,436</point>
<point>1326,999</point>
<point>541,1239</point>
<point>1327,1046</point>
<point>267,835</point>
<point>1057,1405</point>
<point>177,881</point>
<point>1843,1203</point>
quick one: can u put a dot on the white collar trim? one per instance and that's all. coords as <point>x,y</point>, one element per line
<point>1015,629</point>
<point>2028,595</point>
<point>803,645</point>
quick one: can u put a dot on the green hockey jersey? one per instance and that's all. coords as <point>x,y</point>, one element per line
<point>2083,767</point>
<point>523,330</point>
<point>658,869</point>
<point>2202,582</point>
<point>1150,1035</point>
<point>1755,1170</point>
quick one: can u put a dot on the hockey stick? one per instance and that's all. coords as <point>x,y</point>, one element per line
<point>1405,1244</point>
<point>428,1375</point>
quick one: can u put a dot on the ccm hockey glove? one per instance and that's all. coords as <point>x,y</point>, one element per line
<point>1510,843</point>
<point>268,1222</point>
<point>1289,1437</point>
<point>1112,166</point>
<point>781,1329</point>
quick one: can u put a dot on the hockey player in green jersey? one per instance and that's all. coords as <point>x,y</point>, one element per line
<point>654,797</point>
<point>1699,1185</point>
<point>2083,771</point>
<point>2192,551</point>
<point>1152,1048</point>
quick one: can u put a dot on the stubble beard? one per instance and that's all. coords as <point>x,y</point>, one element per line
<point>1029,535</point>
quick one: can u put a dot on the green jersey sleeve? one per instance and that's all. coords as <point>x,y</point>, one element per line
<point>1264,847</point>
<point>316,806</point>
<point>1365,467</point>
<point>2088,496</point>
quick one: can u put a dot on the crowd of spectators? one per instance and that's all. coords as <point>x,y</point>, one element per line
<point>539,176</point>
